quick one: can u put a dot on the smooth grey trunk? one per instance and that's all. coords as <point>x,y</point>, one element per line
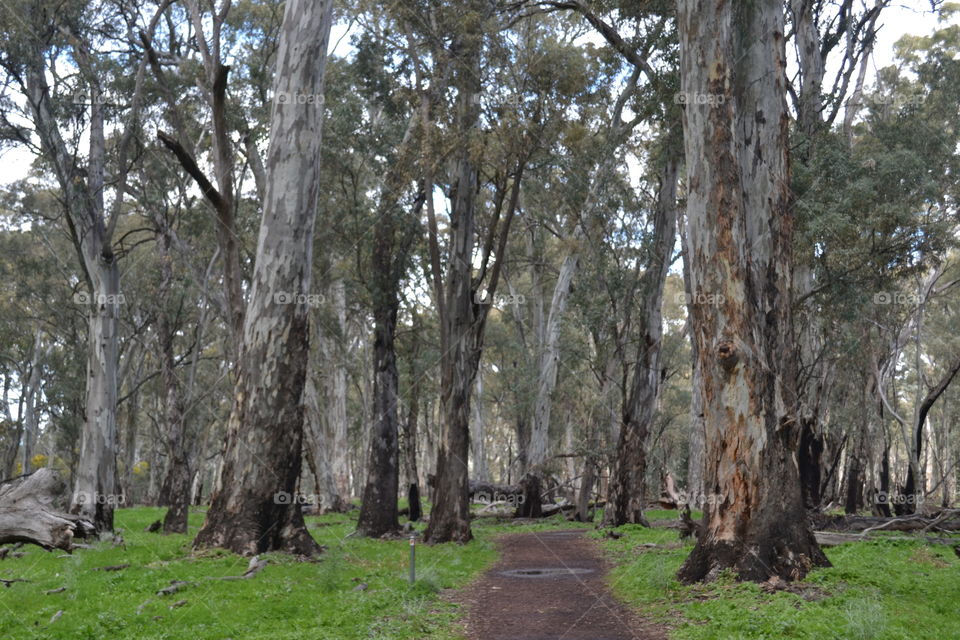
<point>549,357</point>
<point>548,344</point>
<point>253,509</point>
<point>336,413</point>
<point>317,444</point>
<point>481,470</point>
<point>95,490</point>
<point>697,435</point>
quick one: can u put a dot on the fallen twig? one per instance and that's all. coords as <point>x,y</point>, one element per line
<point>7,583</point>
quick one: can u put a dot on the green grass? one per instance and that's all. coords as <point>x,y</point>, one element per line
<point>876,590</point>
<point>288,599</point>
<point>883,590</point>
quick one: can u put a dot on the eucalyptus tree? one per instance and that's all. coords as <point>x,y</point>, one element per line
<point>48,38</point>
<point>477,184</point>
<point>189,69</point>
<point>832,44</point>
<point>874,198</point>
<point>739,225</point>
<point>253,508</point>
<point>401,194</point>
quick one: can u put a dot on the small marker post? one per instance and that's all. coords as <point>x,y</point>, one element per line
<point>413,559</point>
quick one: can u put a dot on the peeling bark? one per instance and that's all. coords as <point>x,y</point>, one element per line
<point>740,229</point>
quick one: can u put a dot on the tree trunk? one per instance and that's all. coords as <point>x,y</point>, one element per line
<point>316,444</point>
<point>810,454</point>
<point>481,470</point>
<point>13,443</point>
<point>253,509</point>
<point>450,518</point>
<point>739,217</point>
<point>696,446</point>
<point>95,488</point>
<point>30,415</point>
<point>129,448</point>
<point>95,491</point>
<point>914,487</point>
<point>392,239</point>
<point>550,359</point>
<point>627,482</point>
<point>378,510</point>
<point>175,490</point>
<point>584,513</point>
<point>410,429</point>
<point>337,410</point>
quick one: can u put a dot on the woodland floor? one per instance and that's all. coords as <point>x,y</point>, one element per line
<point>882,589</point>
<point>546,586</point>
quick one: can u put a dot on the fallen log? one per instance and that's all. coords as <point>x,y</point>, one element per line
<point>833,538</point>
<point>853,523</point>
<point>33,508</point>
<point>486,491</point>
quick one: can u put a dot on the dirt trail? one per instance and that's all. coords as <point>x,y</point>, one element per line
<point>549,585</point>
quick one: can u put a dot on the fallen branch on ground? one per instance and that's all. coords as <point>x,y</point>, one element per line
<point>832,538</point>
<point>7,583</point>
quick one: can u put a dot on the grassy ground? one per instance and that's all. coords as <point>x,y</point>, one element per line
<point>288,599</point>
<point>875,590</point>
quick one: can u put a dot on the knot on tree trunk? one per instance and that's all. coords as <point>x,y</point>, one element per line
<point>727,355</point>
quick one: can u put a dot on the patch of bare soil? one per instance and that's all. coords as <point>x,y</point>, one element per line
<point>549,586</point>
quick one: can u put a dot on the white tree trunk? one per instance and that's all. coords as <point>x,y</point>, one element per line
<point>253,509</point>
<point>478,438</point>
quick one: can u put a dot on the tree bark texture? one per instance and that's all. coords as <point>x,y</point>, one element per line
<point>253,508</point>
<point>740,228</point>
